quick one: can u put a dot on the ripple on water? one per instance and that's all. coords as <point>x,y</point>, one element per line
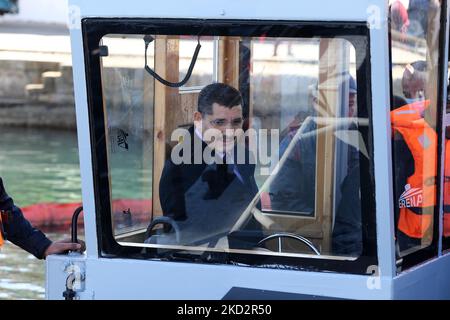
<point>8,285</point>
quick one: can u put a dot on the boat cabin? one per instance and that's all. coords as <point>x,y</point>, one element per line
<point>271,150</point>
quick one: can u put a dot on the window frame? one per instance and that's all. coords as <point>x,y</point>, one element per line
<point>434,249</point>
<point>93,29</point>
<point>215,72</point>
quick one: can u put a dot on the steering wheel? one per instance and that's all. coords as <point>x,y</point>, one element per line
<point>164,221</point>
<point>283,235</point>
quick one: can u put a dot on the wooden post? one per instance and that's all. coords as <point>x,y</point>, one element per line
<point>331,67</point>
<point>166,98</point>
<point>229,61</point>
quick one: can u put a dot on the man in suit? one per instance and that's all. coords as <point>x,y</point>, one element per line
<point>205,197</point>
<point>293,191</point>
<point>294,188</point>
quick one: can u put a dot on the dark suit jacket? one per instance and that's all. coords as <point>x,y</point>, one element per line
<point>205,199</point>
<point>18,230</point>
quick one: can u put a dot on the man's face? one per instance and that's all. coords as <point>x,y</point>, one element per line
<point>226,120</point>
<point>352,104</point>
<point>414,87</point>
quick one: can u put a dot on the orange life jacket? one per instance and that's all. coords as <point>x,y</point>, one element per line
<point>417,202</point>
<point>409,112</point>
<point>2,240</point>
<point>447,189</point>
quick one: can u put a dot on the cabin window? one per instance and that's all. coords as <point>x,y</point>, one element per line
<point>416,82</point>
<point>205,71</point>
<point>128,107</point>
<point>262,156</point>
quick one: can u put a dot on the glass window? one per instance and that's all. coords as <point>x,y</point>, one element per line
<point>205,70</point>
<point>273,160</point>
<point>128,105</point>
<point>415,30</point>
<point>305,98</point>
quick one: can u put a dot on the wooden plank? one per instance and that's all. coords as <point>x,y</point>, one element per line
<point>304,226</point>
<point>173,100</point>
<point>159,122</point>
<point>166,65</point>
<point>229,61</point>
<point>331,65</point>
<point>188,105</point>
<point>172,109</point>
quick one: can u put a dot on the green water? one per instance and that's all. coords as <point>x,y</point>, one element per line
<point>40,165</point>
<point>36,166</point>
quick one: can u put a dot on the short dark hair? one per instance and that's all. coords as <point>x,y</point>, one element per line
<point>415,68</point>
<point>219,93</point>
<point>420,65</point>
<point>415,71</point>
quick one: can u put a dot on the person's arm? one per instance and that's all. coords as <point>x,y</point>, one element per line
<point>171,193</point>
<point>20,232</point>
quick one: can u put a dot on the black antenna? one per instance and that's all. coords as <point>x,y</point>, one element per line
<point>148,39</point>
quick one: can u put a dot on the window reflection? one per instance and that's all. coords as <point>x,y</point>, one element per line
<point>415,29</point>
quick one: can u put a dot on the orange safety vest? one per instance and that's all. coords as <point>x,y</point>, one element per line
<point>2,240</point>
<point>417,202</point>
<point>409,112</point>
<point>447,189</point>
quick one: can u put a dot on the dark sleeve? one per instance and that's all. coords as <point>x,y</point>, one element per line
<point>347,230</point>
<point>293,188</point>
<point>403,168</point>
<point>253,186</point>
<point>171,192</point>
<point>20,232</point>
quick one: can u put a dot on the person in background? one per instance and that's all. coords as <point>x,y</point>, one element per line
<point>15,227</point>
<point>415,159</point>
<point>418,11</point>
<point>294,188</point>
<point>414,81</point>
<point>301,161</point>
<point>399,20</point>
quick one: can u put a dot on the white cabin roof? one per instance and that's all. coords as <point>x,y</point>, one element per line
<point>307,10</point>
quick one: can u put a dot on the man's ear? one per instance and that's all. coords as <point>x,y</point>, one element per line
<point>197,116</point>
<point>198,119</point>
